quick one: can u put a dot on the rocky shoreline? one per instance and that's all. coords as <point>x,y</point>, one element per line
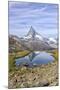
<point>25,77</point>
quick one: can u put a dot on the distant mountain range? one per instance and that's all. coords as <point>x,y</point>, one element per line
<point>32,41</point>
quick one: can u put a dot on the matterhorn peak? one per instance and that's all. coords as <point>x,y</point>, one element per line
<point>31,32</point>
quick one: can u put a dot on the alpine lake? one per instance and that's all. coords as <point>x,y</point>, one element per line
<point>34,59</point>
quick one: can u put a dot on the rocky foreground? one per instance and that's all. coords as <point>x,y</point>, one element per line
<point>44,75</point>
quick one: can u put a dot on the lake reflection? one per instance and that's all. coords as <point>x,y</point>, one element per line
<point>35,59</point>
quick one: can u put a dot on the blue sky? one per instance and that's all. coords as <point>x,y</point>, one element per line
<point>43,18</point>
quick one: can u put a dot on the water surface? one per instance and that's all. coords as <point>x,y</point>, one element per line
<point>35,59</point>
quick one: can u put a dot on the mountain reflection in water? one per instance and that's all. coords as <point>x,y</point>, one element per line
<point>35,59</point>
<point>32,56</point>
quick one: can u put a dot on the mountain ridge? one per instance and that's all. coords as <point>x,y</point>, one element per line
<point>35,41</point>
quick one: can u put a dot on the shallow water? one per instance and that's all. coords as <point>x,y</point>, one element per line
<point>35,59</point>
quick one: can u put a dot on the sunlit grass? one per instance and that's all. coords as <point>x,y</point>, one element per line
<point>11,62</point>
<point>22,53</point>
<point>13,56</point>
<point>55,54</point>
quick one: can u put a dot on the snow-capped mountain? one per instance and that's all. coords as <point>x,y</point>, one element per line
<point>34,41</point>
<point>32,34</point>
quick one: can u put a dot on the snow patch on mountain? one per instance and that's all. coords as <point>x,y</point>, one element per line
<point>39,37</point>
<point>52,42</point>
<point>52,39</point>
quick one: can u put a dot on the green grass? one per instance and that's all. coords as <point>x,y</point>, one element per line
<point>55,54</point>
<point>13,56</point>
<point>11,62</point>
<point>22,53</point>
